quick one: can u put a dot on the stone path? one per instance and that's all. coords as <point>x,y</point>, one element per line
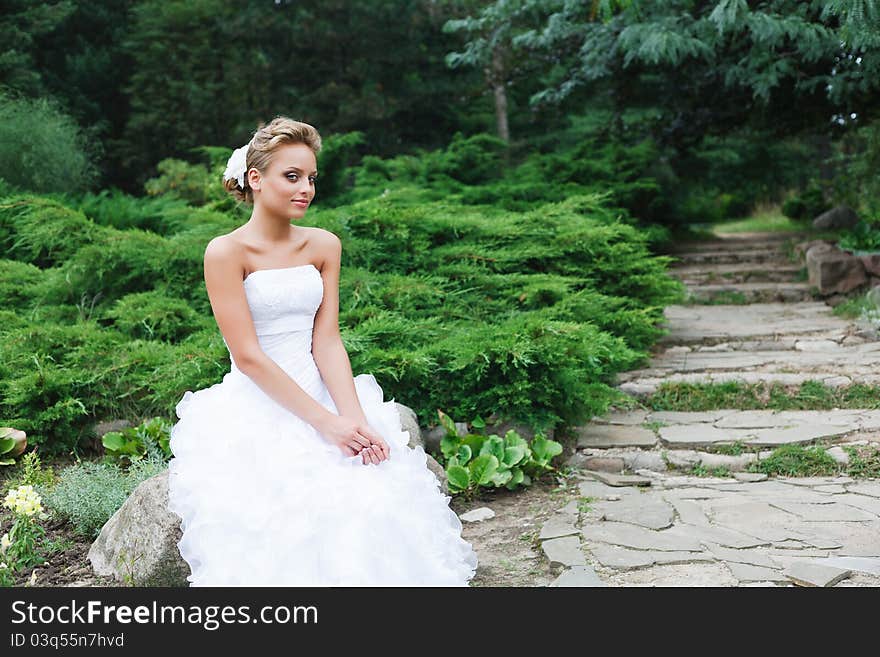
<point>696,531</point>
<point>642,519</point>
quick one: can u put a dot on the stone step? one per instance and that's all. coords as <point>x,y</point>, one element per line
<point>752,292</point>
<point>831,362</point>
<point>732,256</point>
<point>707,429</point>
<point>742,241</point>
<point>646,386</point>
<point>738,272</point>
<point>721,323</point>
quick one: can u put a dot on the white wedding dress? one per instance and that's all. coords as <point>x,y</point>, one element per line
<point>265,500</point>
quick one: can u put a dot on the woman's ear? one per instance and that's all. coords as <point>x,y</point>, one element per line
<point>254,179</point>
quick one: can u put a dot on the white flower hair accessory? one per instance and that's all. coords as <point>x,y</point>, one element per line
<point>236,166</point>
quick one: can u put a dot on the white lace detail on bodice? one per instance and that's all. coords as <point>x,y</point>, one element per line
<point>283,300</point>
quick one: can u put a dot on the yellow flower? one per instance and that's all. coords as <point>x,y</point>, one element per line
<point>4,542</point>
<point>24,501</point>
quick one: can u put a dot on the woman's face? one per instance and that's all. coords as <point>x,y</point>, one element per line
<point>288,186</point>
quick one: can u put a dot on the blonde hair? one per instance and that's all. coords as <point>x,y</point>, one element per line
<point>266,140</point>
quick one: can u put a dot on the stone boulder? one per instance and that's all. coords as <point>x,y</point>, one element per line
<point>409,422</point>
<point>138,545</point>
<point>841,216</point>
<point>801,248</point>
<point>871,263</point>
<point>833,271</point>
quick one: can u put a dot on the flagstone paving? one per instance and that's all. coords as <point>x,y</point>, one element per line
<point>746,529</point>
<point>694,531</point>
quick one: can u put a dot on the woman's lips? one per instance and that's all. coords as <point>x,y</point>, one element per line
<point>304,204</point>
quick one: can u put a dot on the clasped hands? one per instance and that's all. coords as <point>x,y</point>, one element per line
<point>355,438</point>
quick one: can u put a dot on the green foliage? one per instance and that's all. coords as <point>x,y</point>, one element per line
<point>810,395</point>
<point>41,148</point>
<point>338,153</point>
<point>471,160</point>
<point>734,449</point>
<point>119,210</point>
<point>797,461</point>
<point>699,470</point>
<point>43,231</point>
<point>192,183</point>
<point>87,493</point>
<point>863,461</point>
<point>864,236</point>
<point>31,472</point>
<point>149,439</point>
<point>477,460</point>
<point>530,314</point>
<point>25,538</point>
<point>809,204</point>
<point>154,315</point>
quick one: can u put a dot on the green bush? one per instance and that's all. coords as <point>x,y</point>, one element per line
<point>87,493</point>
<point>154,315</point>
<point>192,183</point>
<point>475,309</point>
<point>41,148</point>
<point>471,160</point>
<point>43,231</point>
<point>807,205</point>
<point>119,210</point>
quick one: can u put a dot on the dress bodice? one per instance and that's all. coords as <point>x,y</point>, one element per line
<point>285,299</point>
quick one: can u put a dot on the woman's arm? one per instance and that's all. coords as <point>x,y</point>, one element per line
<point>327,348</point>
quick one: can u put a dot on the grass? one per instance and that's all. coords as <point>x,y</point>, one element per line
<point>811,395</point>
<point>863,461</point>
<point>853,307</point>
<point>700,470</point>
<point>723,297</point>
<point>584,504</point>
<point>768,218</point>
<point>653,425</point>
<point>737,448</point>
<point>797,461</point>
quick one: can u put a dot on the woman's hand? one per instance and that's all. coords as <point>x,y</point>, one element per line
<point>355,437</point>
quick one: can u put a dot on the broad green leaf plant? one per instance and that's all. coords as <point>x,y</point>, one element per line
<point>477,460</point>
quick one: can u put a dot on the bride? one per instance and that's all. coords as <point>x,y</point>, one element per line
<point>291,471</point>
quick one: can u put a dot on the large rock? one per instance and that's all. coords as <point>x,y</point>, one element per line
<point>838,217</point>
<point>801,248</point>
<point>834,271</point>
<point>871,263</point>
<point>138,545</point>
<point>438,470</point>
<point>409,422</point>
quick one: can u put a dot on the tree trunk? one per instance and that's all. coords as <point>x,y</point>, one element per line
<point>497,81</point>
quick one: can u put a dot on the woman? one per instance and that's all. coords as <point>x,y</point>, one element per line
<point>292,472</point>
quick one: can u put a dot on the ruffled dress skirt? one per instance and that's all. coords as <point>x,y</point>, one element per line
<point>264,500</point>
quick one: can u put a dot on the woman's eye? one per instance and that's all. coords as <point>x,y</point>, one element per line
<point>312,179</point>
<point>293,176</point>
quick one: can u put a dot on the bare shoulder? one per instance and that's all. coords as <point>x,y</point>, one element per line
<point>327,245</point>
<point>224,252</point>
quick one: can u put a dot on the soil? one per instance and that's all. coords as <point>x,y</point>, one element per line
<point>67,562</point>
<point>507,546</point>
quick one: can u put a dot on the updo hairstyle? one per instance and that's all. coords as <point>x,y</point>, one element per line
<point>266,140</point>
